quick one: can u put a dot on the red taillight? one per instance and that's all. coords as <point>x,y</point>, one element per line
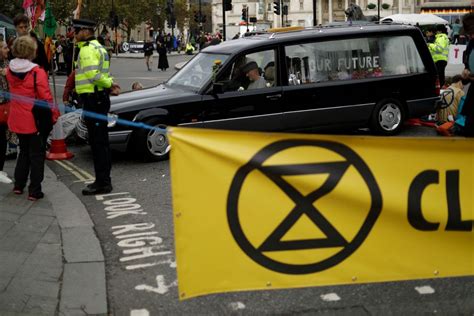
<point>437,86</point>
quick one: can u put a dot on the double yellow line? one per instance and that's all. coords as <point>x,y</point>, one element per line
<point>80,174</point>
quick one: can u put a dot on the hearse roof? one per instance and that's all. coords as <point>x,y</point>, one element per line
<point>238,45</point>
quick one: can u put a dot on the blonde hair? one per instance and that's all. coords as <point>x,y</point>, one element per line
<point>24,47</point>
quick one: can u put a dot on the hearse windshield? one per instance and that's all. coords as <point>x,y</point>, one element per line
<point>197,72</point>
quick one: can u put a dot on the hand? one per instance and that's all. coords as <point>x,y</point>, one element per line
<point>115,89</point>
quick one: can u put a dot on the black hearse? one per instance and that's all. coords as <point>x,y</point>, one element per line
<point>351,76</point>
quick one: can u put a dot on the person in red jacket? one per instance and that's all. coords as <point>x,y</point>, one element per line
<point>21,76</point>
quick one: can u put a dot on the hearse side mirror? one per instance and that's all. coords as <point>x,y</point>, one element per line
<point>217,88</point>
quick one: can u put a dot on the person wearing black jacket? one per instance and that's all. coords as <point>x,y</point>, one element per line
<point>22,26</point>
<point>468,75</point>
<point>148,50</point>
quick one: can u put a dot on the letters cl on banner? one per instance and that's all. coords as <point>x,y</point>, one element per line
<point>261,210</point>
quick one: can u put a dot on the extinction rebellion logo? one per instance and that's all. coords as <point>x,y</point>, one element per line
<point>273,251</point>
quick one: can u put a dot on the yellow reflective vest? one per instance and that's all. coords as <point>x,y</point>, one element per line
<point>92,70</point>
<point>440,48</point>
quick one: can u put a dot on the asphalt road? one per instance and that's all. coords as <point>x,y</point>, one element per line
<point>141,282</point>
<point>129,70</point>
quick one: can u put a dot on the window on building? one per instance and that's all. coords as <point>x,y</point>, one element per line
<point>269,6</point>
<point>301,5</point>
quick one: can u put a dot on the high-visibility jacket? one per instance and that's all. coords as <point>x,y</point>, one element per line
<point>440,48</point>
<point>92,70</point>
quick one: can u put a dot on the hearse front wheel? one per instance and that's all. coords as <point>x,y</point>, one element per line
<point>153,144</point>
<point>387,118</point>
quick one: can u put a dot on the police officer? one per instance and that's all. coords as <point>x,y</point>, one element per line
<point>439,51</point>
<point>93,85</point>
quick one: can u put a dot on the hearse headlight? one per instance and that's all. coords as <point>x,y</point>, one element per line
<point>111,119</point>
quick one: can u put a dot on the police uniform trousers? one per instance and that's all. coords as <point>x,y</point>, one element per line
<point>98,103</point>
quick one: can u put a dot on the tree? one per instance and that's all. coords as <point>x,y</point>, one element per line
<point>62,9</point>
<point>181,13</point>
<point>11,8</point>
<point>133,12</point>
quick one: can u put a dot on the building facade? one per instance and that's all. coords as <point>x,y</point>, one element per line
<point>300,12</point>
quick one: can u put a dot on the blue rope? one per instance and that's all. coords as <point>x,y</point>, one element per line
<point>88,114</point>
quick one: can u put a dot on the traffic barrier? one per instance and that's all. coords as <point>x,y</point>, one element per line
<point>58,149</point>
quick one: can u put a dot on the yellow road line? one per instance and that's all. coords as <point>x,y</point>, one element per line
<point>85,173</point>
<point>74,172</point>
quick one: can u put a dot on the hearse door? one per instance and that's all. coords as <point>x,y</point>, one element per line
<point>251,98</point>
<point>317,92</point>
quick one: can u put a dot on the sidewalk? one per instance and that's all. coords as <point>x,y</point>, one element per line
<point>50,258</point>
<point>141,56</point>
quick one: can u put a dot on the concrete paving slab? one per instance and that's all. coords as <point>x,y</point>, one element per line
<point>10,262</point>
<point>18,204</point>
<point>47,254</point>
<point>5,190</point>
<point>4,281</point>
<point>83,289</point>
<point>9,217</point>
<point>53,234</point>
<point>70,214</point>
<point>19,240</point>
<point>41,305</point>
<point>5,227</point>
<point>42,210</point>
<point>40,272</point>
<point>11,301</point>
<point>80,244</point>
<point>18,314</point>
<point>34,223</point>
<point>34,287</point>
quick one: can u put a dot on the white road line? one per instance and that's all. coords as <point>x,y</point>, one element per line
<point>330,297</point>
<point>139,312</point>
<point>235,306</point>
<point>161,288</point>
<point>425,289</point>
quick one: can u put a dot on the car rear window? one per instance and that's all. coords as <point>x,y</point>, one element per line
<point>355,58</point>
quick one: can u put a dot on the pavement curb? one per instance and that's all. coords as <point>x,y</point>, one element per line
<point>141,56</point>
<point>83,288</point>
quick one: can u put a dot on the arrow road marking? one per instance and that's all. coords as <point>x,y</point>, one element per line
<point>424,289</point>
<point>139,312</point>
<point>330,297</point>
<point>161,288</point>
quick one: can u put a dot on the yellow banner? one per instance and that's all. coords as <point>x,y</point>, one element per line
<point>265,211</point>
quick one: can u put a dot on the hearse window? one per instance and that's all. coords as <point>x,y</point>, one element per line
<point>197,72</point>
<point>251,71</point>
<point>352,59</point>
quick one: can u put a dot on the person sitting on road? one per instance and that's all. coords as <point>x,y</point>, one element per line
<point>137,86</point>
<point>450,112</point>
<point>253,73</point>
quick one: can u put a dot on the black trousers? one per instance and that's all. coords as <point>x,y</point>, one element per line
<point>440,67</point>
<point>3,144</point>
<point>98,104</point>
<point>30,162</point>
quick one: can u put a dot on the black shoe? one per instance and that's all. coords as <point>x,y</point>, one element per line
<point>95,189</point>
<point>91,185</point>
